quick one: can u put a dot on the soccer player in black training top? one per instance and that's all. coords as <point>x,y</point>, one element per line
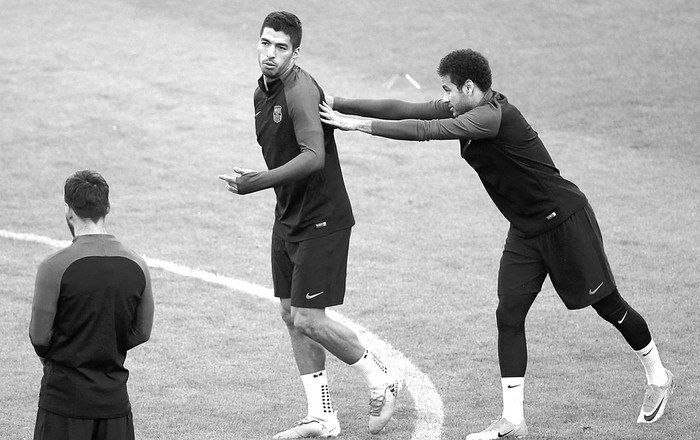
<point>553,230</point>
<point>311,233</point>
<point>92,303</point>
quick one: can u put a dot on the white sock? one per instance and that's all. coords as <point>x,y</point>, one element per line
<point>372,369</point>
<point>656,373</point>
<point>513,396</point>
<point>318,397</point>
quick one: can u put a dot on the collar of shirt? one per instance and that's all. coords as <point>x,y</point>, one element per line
<point>488,96</point>
<point>276,83</point>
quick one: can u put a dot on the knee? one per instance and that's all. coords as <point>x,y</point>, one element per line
<point>508,321</point>
<point>287,318</point>
<point>612,307</point>
<point>307,322</point>
<point>510,316</point>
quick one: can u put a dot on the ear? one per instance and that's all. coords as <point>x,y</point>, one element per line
<point>468,87</point>
<point>295,53</point>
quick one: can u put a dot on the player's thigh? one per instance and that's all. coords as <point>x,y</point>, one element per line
<point>578,265</point>
<point>521,270</point>
<point>320,271</point>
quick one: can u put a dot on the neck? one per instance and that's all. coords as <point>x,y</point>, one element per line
<point>267,80</point>
<point>479,95</point>
<point>88,227</point>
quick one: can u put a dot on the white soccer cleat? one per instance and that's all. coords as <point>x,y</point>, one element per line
<point>655,399</point>
<point>501,428</point>
<point>382,404</point>
<point>310,427</point>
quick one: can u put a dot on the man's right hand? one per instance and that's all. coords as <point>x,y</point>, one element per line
<point>328,116</point>
<point>234,183</point>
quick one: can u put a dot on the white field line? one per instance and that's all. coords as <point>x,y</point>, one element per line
<point>427,401</point>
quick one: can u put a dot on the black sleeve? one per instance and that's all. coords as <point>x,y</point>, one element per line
<point>392,109</point>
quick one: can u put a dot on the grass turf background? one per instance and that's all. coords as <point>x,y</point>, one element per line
<point>158,97</point>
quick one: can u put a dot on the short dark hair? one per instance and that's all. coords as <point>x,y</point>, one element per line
<point>86,192</point>
<point>461,65</point>
<point>283,21</point>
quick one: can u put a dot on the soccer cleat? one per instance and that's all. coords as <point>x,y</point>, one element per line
<point>382,403</point>
<point>501,428</point>
<point>313,427</point>
<point>655,399</point>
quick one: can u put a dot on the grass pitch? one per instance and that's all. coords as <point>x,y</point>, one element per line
<point>158,97</point>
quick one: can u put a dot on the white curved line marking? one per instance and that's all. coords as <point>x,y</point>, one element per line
<point>426,399</point>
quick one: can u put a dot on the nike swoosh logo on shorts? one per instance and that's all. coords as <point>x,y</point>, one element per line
<point>310,296</point>
<point>623,318</point>
<point>593,291</point>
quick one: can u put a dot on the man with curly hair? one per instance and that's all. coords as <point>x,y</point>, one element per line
<point>553,230</point>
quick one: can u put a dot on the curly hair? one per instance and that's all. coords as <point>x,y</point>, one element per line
<point>86,192</point>
<point>461,65</point>
<point>286,22</point>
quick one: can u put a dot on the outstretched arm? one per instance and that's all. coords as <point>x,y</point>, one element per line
<point>390,109</point>
<point>482,122</point>
<point>401,130</point>
<point>328,116</point>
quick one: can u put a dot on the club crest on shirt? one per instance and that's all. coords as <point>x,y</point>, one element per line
<point>277,114</point>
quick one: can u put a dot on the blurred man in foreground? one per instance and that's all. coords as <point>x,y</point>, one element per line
<point>92,303</point>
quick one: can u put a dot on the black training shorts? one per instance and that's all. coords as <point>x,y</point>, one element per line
<point>311,272</point>
<point>571,254</point>
<point>50,426</point>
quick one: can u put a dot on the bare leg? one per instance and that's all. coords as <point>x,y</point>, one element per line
<point>313,332</point>
<point>309,355</point>
<point>315,325</point>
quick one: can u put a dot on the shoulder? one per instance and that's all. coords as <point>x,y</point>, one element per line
<point>120,249</point>
<point>52,269</point>
<point>511,114</point>
<point>489,112</point>
<point>501,102</point>
<point>300,87</point>
<point>58,260</point>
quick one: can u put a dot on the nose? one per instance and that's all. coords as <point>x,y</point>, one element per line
<point>445,98</point>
